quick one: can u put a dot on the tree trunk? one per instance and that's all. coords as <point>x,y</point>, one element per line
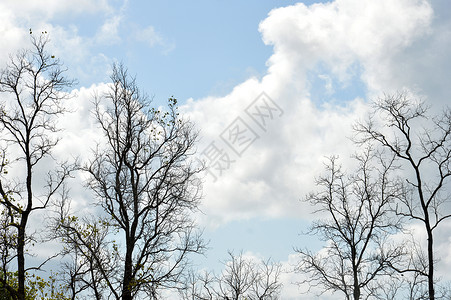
<point>356,292</point>
<point>21,259</point>
<point>22,228</point>
<point>430,264</point>
<point>128,280</point>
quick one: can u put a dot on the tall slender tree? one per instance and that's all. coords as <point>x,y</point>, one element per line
<point>32,87</point>
<point>422,143</point>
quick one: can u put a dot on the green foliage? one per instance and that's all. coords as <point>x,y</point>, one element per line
<point>36,288</point>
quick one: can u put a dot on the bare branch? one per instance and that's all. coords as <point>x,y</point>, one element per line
<point>34,85</point>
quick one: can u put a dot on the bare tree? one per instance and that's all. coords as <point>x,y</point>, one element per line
<point>198,286</point>
<point>426,156</point>
<point>356,227</point>
<point>242,278</point>
<point>32,86</point>
<point>267,283</point>
<point>92,270</point>
<point>146,188</point>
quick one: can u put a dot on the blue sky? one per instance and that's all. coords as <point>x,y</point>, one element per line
<point>320,62</point>
<point>201,48</point>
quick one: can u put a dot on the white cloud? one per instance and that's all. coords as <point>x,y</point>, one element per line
<point>342,32</point>
<point>17,18</point>
<point>149,36</point>
<point>108,33</point>
<point>81,132</point>
<point>279,168</point>
<point>30,11</point>
<point>152,38</point>
<point>13,37</point>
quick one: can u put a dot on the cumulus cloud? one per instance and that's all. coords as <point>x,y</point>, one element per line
<point>342,32</point>
<point>280,166</point>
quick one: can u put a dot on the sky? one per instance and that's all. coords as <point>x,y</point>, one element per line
<point>312,66</point>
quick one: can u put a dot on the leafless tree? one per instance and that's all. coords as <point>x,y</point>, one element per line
<point>267,283</point>
<point>356,226</point>
<point>90,270</point>
<point>242,278</point>
<point>423,144</point>
<point>198,286</point>
<point>146,187</point>
<point>32,87</point>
